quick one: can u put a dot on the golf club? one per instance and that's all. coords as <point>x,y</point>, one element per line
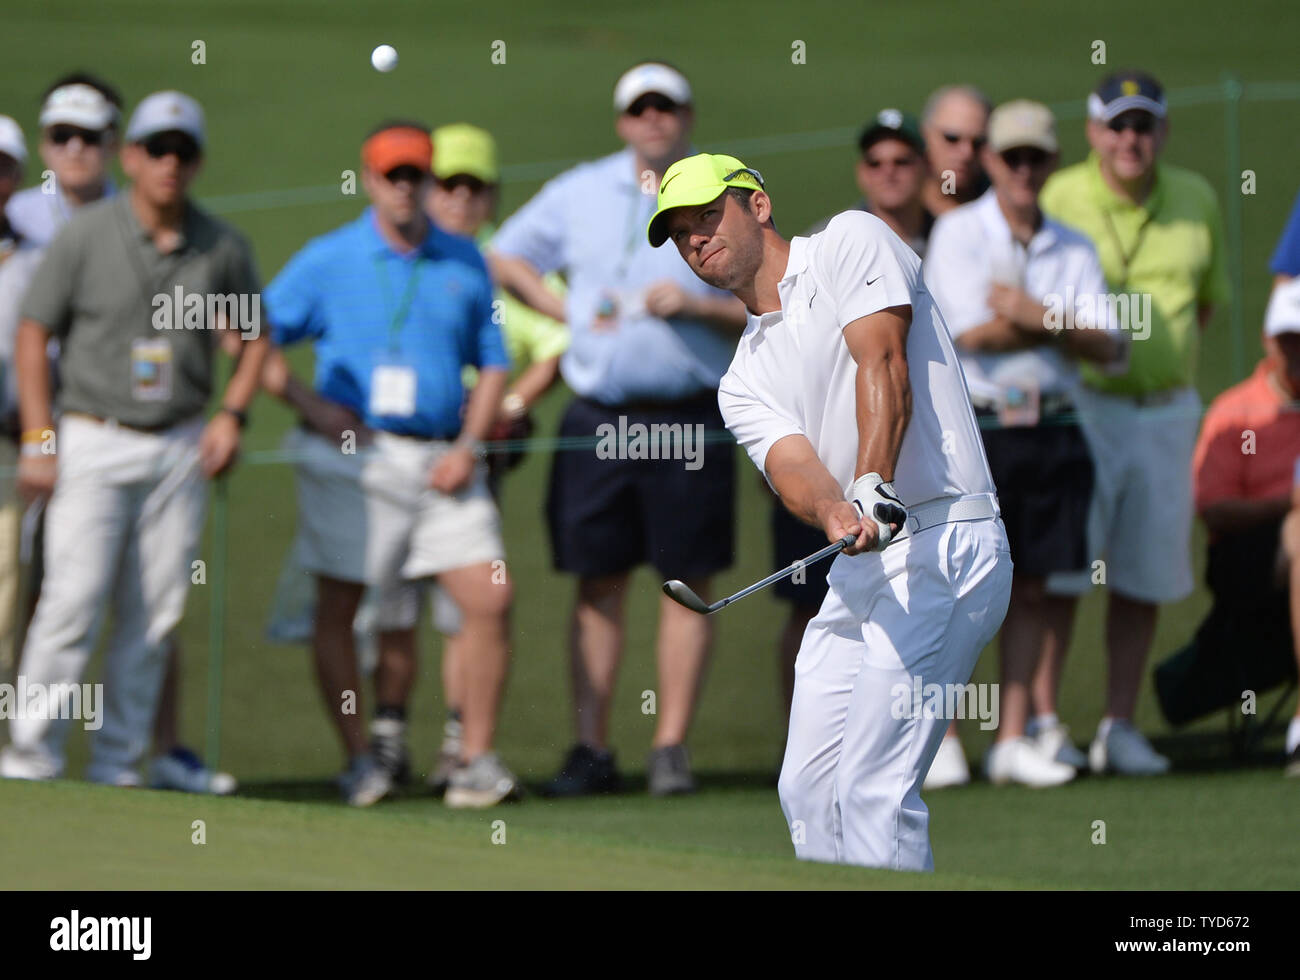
<point>681,593</point>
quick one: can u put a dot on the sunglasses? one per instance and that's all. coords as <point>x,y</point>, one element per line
<point>1142,122</point>
<point>976,142</point>
<point>406,172</point>
<point>61,135</point>
<point>875,163</point>
<point>450,184</point>
<point>1031,155</point>
<point>172,144</point>
<point>652,100</point>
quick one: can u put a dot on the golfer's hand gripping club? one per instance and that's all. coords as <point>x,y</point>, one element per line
<point>876,501</point>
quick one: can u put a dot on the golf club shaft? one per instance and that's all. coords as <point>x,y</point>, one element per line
<point>817,556</point>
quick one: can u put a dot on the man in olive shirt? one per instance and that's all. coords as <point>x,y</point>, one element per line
<point>135,288</point>
<point>1159,236</point>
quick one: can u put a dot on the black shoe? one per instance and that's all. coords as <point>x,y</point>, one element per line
<point>586,771</point>
<point>668,771</point>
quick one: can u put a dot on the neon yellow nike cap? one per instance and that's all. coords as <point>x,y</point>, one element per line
<point>697,180</point>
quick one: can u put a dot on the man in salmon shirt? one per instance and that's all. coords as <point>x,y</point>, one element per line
<point>1245,471</point>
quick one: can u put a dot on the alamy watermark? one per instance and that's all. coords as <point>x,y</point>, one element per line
<point>32,699</point>
<point>655,441</point>
<point>182,310</point>
<point>948,701</point>
<point>1087,311</point>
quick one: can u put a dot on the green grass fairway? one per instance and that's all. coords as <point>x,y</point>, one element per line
<point>1174,834</point>
<point>289,94</point>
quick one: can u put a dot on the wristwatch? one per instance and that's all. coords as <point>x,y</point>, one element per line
<point>240,417</point>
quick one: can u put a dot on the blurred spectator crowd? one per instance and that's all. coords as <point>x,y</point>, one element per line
<point>1077,296</point>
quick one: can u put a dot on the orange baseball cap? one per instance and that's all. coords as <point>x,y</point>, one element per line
<point>398,146</point>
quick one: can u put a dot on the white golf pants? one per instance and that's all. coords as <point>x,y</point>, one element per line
<point>924,608</point>
<point>121,529</point>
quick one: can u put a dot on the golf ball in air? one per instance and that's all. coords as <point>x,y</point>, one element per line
<point>384,57</point>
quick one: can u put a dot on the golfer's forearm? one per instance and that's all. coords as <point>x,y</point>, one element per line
<point>247,376</point>
<point>484,403</point>
<point>32,366</point>
<point>884,406</point>
<point>805,485</point>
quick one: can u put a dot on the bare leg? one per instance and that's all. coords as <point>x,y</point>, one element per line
<point>485,606</point>
<point>1058,624</point>
<point>396,670</point>
<point>683,654</point>
<point>1130,628</point>
<point>453,658</point>
<point>596,646</point>
<point>1021,644</point>
<point>336,658</point>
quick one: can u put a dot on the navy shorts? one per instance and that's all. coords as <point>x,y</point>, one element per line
<point>1044,477</point>
<point>608,515</point>
<point>793,540</point>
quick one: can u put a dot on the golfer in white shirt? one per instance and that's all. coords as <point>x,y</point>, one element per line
<point>847,394</point>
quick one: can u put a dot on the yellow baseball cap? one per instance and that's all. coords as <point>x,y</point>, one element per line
<point>464,149</point>
<point>698,180</point>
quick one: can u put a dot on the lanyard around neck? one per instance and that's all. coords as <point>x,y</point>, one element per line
<point>404,303</point>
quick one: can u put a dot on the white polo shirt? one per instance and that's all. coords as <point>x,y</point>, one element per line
<point>793,373</point>
<point>971,248</point>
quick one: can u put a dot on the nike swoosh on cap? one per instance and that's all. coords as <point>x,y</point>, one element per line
<point>669,181</point>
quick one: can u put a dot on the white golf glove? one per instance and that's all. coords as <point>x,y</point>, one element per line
<point>877,501</point>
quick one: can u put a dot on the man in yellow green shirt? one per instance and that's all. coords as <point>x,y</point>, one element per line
<point>1159,234</point>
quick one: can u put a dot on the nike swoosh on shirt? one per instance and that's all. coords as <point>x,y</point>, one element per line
<point>872,282</point>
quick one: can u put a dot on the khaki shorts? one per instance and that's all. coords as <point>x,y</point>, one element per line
<point>371,516</point>
<point>1140,523</point>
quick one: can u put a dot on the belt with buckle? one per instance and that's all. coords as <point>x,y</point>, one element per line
<point>119,424</point>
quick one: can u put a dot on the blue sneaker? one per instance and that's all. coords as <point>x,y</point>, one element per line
<point>182,769</point>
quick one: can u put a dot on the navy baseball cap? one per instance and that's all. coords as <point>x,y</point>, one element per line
<point>891,124</point>
<point>1125,91</point>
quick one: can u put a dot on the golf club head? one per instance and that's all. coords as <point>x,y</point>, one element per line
<point>681,593</point>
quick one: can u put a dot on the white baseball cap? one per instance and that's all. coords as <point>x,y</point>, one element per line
<point>11,139</point>
<point>651,76</point>
<point>165,112</point>
<point>78,105</point>
<point>1283,314</point>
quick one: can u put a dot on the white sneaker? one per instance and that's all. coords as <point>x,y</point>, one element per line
<point>1020,760</point>
<point>15,764</point>
<point>1055,743</point>
<point>949,767</point>
<point>365,782</point>
<point>1126,751</point>
<point>481,783</point>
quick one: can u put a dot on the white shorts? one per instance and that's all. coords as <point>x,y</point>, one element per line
<point>1140,522</point>
<point>371,516</point>
<point>921,611</point>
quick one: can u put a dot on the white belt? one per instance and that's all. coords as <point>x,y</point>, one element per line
<point>949,510</point>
